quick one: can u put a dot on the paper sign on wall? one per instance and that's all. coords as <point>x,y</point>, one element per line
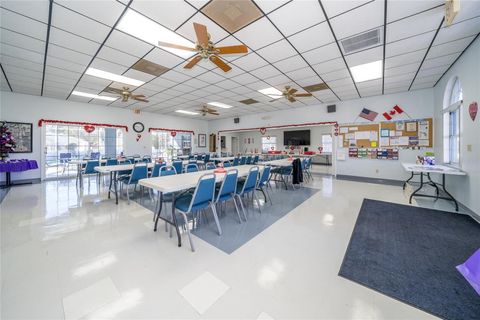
<point>384,141</point>
<point>343,129</point>
<point>362,135</point>
<point>373,136</point>
<point>400,126</point>
<point>411,126</point>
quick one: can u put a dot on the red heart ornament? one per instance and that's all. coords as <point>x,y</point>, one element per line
<point>263,131</point>
<point>472,110</point>
<point>320,149</point>
<point>173,133</point>
<point>89,129</point>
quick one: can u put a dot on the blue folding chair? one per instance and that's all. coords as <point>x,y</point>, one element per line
<point>156,169</point>
<point>202,198</point>
<point>210,166</point>
<point>243,160</point>
<point>111,162</point>
<point>226,164</point>
<point>249,160</point>
<point>140,171</point>
<point>263,183</point>
<point>228,189</point>
<point>64,159</point>
<point>191,167</point>
<point>255,159</point>
<point>248,186</point>
<point>235,162</point>
<point>178,165</point>
<point>95,155</point>
<point>89,171</point>
<point>207,158</point>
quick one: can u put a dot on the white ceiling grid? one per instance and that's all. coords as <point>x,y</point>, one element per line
<point>292,43</point>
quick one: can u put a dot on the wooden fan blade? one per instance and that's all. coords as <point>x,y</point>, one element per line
<point>214,113</point>
<point>232,49</point>
<point>175,46</point>
<point>291,99</point>
<point>219,62</point>
<point>292,91</point>
<point>201,32</point>
<point>113,90</point>
<point>193,62</point>
<point>302,95</point>
<point>139,97</point>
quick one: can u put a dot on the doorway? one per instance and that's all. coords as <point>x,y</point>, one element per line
<point>235,147</point>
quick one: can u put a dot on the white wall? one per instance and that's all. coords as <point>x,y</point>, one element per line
<point>418,104</point>
<point>467,68</point>
<point>27,108</point>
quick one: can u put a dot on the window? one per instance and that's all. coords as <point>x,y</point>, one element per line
<point>269,144</point>
<point>451,122</point>
<point>327,143</point>
<point>167,147</point>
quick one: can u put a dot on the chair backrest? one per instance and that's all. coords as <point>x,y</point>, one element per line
<point>226,164</point>
<point>249,160</point>
<point>255,159</point>
<point>65,156</point>
<point>204,192</point>
<point>191,157</point>
<point>94,155</point>
<point>251,181</point>
<point>147,159</point>
<point>210,166</point>
<point>235,162</point>
<point>178,166</point>
<point>264,176</point>
<point>207,158</point>
<point>140,171</point>
<point>90,167</point>
<point>191,167</point>
<point>229,185</point>
<point>167,171</point>
<point>112,162</point>
<point>243,160</point>
<point>192,161</point>
<point>156,169</point>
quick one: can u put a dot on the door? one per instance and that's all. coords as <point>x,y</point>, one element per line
<point>234,145</point>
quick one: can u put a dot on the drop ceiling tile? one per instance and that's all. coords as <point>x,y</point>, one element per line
<point>310,12</point>
<point>118,57</point>
<point>335,75</point>
<point>7,60</point>
<point>421,78</point>
<point>421,41</point>
<point>73,42</point>
<point>309,81</point>
<point>274,81</point>
<point>421,23</point>
<point>449,48</point>
<point>257,85</point>
<point>195,71</point>
<point>365,56</point>
<point>19,40</point>
<point>432,71</point>
<point>127,44</point>
<point>232,15</point>
<point>404,59</point>
<point>265,72</point>
<point>330,66</point>
<point>440,61</point>
<point>366,17</point>
<point>170,14</point>
<point>325,53</point>
<point>22,73</point>
<point>195,83</point>
<point>67,65</point>
<point>377,83</point>
<point>61,74</point>
<point>340,83</point>
<point>402,69</point>
<point>16,52</point>
<point>398,10</point>
<point>21,24</point>
<point>245,79</point>
<point>75,23</point>
<point>333,8</point>
<point>291,64</point>
<point>175,76</point>
<point>105,11</point>
<point>456,31</point>
<point>187,30</point>
<point>425,85</point>
<point>277,51</point>
<point>211,77</point>
<point>241,91</point>
<point>268,5</point>
<point>228,84</point>
<point>108,66</point>
<point>311,38</point>
<point>250,61</point>
<point>401,77</point>
<point>301,74</point>
<point>139,75</point>
<point>69,55</point>
<point>259,34</point>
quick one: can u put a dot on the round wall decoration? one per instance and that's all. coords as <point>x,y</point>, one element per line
<point>138,127</point>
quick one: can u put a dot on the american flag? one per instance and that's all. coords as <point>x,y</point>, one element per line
<point>368,114</point>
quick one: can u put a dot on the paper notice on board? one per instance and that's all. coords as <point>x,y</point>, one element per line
<point>342,154</point>
<point>349,136</point>
<point>353,129</point>
<point>392,133</point>
<point>394,141</point>
<point>340,140</point>
<point>362,135</point>
<point>411,126</point>
<point>373,136</point>
<point>403,141</point>
<point>423,142</point>
<point>423,130</point>
<point>343,129</point>
<point>399,126</point>
<point>384,141</point>
<point>373,144</point>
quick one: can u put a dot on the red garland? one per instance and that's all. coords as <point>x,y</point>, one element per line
<point>41,121</point>
<point>170,130</point>
<point>283,126</point>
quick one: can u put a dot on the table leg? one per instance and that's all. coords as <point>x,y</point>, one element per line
<point>110,185</point>
<point>418,189</point>
<point>405,183</point>
<point>174,218</point>
<point>159,210</point>
<point>445,190</point>
<point>433,184</point>
<point>115,186</point>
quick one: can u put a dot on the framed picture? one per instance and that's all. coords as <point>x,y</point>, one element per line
<point>23,135</point>
<point>202,140</point>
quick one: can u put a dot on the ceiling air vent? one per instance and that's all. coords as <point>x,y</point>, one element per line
<point>362,41</point>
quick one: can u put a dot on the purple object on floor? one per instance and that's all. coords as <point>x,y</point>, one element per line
<point>18,165</point>
<point>471,270</point>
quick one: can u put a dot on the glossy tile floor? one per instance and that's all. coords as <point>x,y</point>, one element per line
<point>72,256</point>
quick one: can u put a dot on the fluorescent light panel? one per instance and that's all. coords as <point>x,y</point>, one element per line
<point>186,112</point>
<point>271,92</point>
<point>113,77</point>
<point>220,105</point>
<point>367,71</point>
<point>93,96</point>
<point>149,31</point>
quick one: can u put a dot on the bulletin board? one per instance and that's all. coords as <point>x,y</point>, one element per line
<point>407,133</point>
<point>359,135</point>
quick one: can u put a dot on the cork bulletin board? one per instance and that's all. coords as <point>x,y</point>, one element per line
<point>359,135</point>
<point>407,133</point>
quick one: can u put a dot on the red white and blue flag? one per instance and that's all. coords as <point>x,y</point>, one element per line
<point>368,114</point>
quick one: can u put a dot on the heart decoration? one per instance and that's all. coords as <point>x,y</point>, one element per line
<point>173,133</point>
<point>263,131</point>
<point>273,148</point>
<point>320,149</point>
<point>89,128</point>
<point>138,137</point>
<point>292,148</point>
<point>268,137</point>
<point>472,110</point>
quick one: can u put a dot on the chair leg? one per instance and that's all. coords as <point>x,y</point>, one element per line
<point>188,231</point>
<point>254,194</point>
<point>236,208</point>
<point>128,194</point>
<point>214,210</point>
<point>241,205</point>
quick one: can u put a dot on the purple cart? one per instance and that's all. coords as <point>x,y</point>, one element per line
<point>17,165</point>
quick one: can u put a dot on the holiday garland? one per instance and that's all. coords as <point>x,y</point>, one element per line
<point>7,142</point>
<point>107,125</point>
<point>171,130</point>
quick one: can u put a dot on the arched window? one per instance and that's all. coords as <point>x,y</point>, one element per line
<point>451,121</point>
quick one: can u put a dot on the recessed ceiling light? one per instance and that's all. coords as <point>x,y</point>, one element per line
<point>149,31</point>
<point>113,77</point>
<point>220,105</point>
<point>271,92</point>
<point>367,71</point>
<point>93,96</point>
<point>186,112</point>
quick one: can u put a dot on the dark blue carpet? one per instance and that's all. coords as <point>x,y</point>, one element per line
<point>410,254</point>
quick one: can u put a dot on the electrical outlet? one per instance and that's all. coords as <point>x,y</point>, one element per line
<point>469,147</point>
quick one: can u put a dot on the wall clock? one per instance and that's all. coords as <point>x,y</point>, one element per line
<point>138,127</point>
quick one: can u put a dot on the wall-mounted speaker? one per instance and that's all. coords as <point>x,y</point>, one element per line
<point>331,108</point>
<point>236,120</point>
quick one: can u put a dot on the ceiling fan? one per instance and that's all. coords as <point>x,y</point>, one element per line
<point>290,94</point>
<point>206,110</point>
<point>126,94</point>
<point>206,49</point>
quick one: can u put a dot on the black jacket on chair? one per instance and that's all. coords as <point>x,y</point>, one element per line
<point>297,172</point>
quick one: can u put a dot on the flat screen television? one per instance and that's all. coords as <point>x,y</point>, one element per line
<point>296,138</point>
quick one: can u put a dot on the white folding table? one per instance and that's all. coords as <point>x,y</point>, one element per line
<point>181,182</point>
<point>426,170</point>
